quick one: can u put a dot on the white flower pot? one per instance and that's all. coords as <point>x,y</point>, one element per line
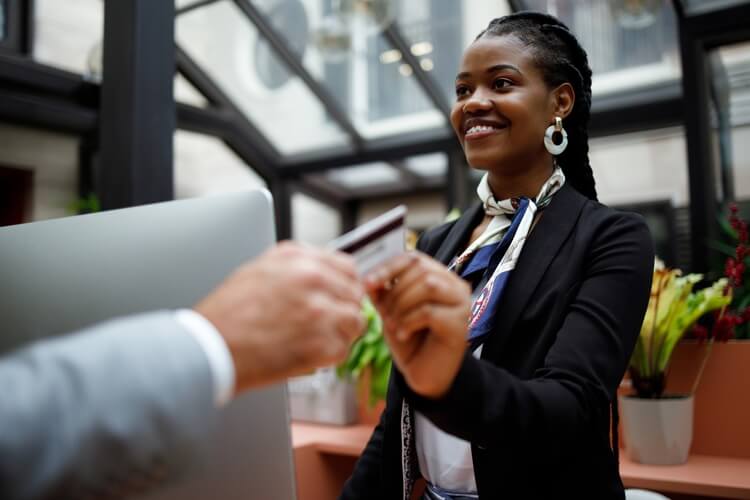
<point>657,431</point>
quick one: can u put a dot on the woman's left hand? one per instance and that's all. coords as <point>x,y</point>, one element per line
<point>425,310</point>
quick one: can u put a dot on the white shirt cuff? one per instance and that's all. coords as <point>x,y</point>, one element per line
<point>217,352</point>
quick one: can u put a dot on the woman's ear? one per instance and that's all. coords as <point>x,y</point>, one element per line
<point>563,99</point>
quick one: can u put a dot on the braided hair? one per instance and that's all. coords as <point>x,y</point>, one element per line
<point>561,59</point>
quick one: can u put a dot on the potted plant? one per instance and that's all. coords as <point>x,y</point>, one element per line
<point>369,355</point>
<point>736,266</point>
<point>658,426</point>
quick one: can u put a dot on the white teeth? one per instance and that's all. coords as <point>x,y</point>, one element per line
<point>480,128</point>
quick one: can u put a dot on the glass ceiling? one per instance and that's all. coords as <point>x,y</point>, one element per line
<point>360,78</point>
<point>371,87</point>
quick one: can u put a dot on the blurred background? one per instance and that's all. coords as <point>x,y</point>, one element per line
<point>340,108</point>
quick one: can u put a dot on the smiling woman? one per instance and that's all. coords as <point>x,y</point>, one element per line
<point>510,332</point>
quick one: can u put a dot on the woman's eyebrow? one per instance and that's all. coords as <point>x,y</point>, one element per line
<point>491,69</point>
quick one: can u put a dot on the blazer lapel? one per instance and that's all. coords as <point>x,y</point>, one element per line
<point>552,229</point>
<point>459,233</point>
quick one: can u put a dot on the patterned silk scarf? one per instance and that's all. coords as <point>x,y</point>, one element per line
<point>495,252</point>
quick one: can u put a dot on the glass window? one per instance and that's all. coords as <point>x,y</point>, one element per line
<point>365,175</point>
<point>223,41</point>
<point>179,4</point>
<point>184,92</point>
<point>700,6</point>
<point>369,76</point>
<point>312,221</point>
<point>195,175</point>
<point>442,29</point>
<point>68,34</point>
<point>629,43</point>
<point>365,73</point>
<point>656,184</point>
<point>3,28</point>
<point>731,119</point>
<point>429,166</point>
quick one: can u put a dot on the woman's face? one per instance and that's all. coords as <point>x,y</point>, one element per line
<point>502,107</point>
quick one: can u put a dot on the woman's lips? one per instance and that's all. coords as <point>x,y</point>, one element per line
<point>480,132</point>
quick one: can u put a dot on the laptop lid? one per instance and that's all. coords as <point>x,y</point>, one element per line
<point>61,275</point>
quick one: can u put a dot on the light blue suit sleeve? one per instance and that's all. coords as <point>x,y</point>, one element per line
<point>118,408</point>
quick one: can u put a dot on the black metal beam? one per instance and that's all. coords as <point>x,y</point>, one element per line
<point>18,24</point>
<point>394,36</point>
<point>88,147</point>
<point>406,173</point>
<point>245,136</point>
<point>349,216</point>
<point>389,149</point>
<point>193,6</point>
<point>316,186</point>
<point>517,5</point>
<point>282,201</point>
<point>294,63</point>
<point>26,75</point>
<point>48,113</point>
<point>215,122</point>
<point>702,181</point>
<point>720,26</point>
<point>137,118</point>
<point>639,109</point>
<point>430,186</point>
<point>457,181</point>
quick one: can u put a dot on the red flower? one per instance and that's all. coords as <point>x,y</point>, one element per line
<point>724,327</point>
<point>741,252</point>
<point>734,270</point>
<point>700,333</point>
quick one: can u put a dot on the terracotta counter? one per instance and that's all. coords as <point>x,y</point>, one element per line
<point>718,467</point>
<point>325,455</point>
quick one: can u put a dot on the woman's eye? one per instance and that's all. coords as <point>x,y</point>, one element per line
<point>462,90</point>
<point>502,83</point>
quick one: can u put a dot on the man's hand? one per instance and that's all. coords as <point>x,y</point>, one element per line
<point>425,310</point>
<point>291,310</point>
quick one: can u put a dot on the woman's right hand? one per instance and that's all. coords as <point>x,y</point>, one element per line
<point>425,309</point>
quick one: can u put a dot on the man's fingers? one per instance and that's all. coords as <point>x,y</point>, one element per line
<point>338,261</point>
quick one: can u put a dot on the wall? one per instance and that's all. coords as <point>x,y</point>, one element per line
<point>54,161</point>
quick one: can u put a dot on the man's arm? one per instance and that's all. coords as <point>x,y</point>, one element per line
<point>125,405</point>
<point>118,407</point>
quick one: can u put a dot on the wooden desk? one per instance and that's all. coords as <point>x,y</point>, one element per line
<point>325,456</point>
<point>720,477</point>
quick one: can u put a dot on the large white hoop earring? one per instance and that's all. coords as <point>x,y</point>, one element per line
<point>555,149</point>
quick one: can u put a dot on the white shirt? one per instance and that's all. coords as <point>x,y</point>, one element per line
<point>444,459</point>
<point>217,352</point>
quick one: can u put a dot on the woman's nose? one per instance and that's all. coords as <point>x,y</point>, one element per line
<point>477,102</point>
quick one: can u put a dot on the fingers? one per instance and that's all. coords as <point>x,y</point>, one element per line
<point>416,279</point>
<point>439,286</point>
<point>317,269</point>
<point>384,276</point>
<point>444,321</point>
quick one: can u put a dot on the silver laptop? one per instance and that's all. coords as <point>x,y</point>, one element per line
<point>60,275</point>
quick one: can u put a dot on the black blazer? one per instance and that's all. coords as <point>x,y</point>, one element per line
<point>536,407</point>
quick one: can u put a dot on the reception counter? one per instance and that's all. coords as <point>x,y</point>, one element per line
<point>325,455</point>
<point>718,467</point>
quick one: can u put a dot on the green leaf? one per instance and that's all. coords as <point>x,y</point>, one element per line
<point>382,356</point>
<point>364,360</point>
<point>724,248</point>
<point>727,228</point>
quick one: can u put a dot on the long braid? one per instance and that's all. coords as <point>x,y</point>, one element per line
<point>561,59</point>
